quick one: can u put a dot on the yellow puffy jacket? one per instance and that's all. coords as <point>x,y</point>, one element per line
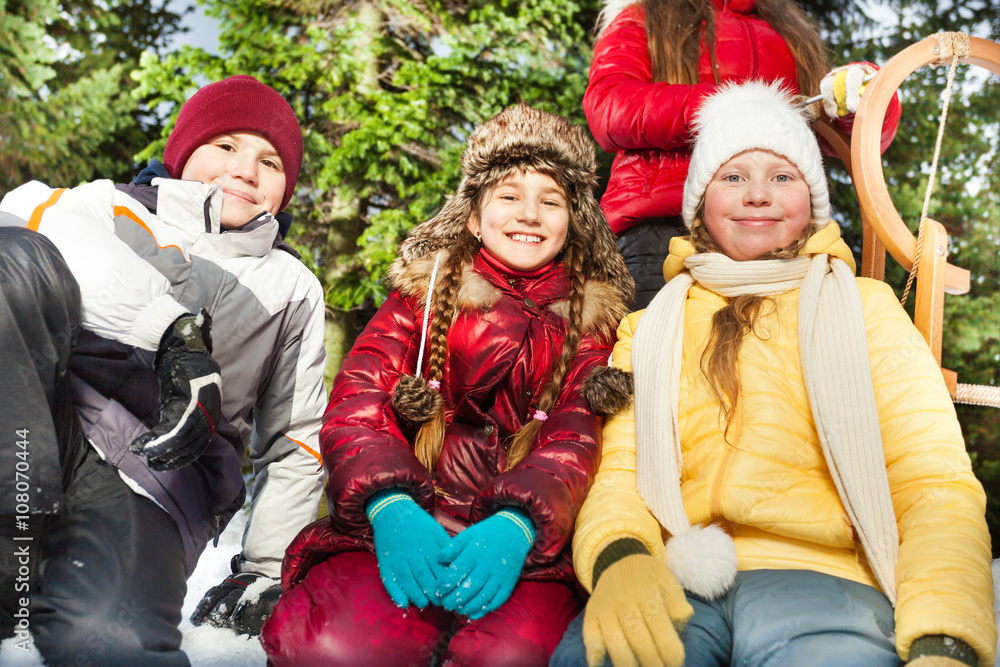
<point>769,486</point>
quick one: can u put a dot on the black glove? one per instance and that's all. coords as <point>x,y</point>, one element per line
<point>242,602</point>
<point>190,395</point>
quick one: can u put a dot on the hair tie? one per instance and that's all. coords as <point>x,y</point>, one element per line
<point>539,415</point>
<point>434,384</point>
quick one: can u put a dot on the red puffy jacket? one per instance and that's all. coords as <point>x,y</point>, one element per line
<point>648,124</point>
<point>501,351</point>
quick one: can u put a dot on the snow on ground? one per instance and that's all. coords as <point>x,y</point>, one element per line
<point>205,646</point>
<point>212,647</point>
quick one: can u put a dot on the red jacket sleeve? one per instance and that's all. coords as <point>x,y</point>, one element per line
<point>551,482</point>
<point>625,109</point>
<point>365,448</point>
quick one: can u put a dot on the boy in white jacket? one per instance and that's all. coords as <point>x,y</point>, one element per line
<point>153,333</point>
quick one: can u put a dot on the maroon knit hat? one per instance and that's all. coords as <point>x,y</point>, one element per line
<point>237,104</point>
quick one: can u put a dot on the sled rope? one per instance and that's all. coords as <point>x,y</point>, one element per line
<point>954,46</point>
<point>977,394</point>
<point>951,47</point>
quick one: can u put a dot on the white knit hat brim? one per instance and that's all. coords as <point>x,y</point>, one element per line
<point>753,116</point>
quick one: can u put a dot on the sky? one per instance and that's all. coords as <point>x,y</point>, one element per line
<point>202,30</point>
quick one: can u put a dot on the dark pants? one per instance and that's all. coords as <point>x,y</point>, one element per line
<point>645,247</point>
<point>101,568</point>
<point>773,618</point>
<point>340,614</point>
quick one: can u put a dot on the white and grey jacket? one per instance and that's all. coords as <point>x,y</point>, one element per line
<point>144,255</point>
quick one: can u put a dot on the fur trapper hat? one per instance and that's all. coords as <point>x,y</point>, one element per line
<point>749,116</point>
<point>521,138</point>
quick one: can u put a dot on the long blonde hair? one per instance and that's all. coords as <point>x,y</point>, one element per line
<point>674,34</point>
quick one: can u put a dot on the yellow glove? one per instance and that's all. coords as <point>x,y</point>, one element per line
<point>842,88</point>
<point>635,614</point>
<point>935,661</point>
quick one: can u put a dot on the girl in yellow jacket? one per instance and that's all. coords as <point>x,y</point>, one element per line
<point>791,439</point>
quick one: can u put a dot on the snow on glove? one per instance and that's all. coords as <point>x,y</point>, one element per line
<point>190,395</point>
<point>635,613</point>
<point>241,602</point>
<point>407,540</point>
<point>842,88</point>
<point>484,563</point>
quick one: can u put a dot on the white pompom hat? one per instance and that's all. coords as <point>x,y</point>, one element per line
<point>749,116</point>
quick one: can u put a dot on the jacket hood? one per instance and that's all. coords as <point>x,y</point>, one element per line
<point>826,240</point>
<point>521,138</point>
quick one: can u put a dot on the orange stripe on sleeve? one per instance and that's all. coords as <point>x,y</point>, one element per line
<point>307,448</point>
<point>128,213</point>
<point>36,215</point>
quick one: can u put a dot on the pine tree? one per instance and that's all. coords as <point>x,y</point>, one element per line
<point>67,114</point>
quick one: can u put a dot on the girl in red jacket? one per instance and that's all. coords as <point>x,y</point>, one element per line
<point>654,62</point>
<point>458,443</point>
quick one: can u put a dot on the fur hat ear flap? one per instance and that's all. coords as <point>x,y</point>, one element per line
<point>608,390</point>
<point>415,400</point>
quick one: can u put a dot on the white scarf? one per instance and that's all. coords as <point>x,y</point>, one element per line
<point>834,356</point>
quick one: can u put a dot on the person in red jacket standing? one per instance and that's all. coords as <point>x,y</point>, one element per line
<point>460,439</point>
<point>654,63</point>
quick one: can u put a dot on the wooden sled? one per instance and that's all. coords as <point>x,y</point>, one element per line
<point>882,227</point>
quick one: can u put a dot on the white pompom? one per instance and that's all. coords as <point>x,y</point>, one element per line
<point>703,559</point>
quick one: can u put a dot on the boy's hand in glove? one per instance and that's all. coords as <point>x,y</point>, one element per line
<point>242,602</point>
<point>190,395</point>
<point>407,540</point>
<point>842,88</point>
<point>484,563</point>
<point>635,613</point>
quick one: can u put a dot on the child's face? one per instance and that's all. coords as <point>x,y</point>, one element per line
<point>756,202</point>
<point>524,220</point>
<point>247,168</point>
